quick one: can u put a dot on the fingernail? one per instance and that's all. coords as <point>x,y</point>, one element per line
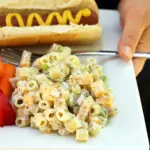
<point>128,51</point>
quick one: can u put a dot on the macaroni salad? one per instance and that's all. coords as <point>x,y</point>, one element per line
<point>57,93</point>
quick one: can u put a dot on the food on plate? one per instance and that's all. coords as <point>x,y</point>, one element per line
<point>7,112</point>
<point>6,86</point>
<point>1,68</point>
<point>26,57</point>
<point>50,21</point>
<point>59,93</point>
<point>7,71</point>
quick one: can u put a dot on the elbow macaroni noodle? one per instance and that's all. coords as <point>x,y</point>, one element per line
<point>61,105</point>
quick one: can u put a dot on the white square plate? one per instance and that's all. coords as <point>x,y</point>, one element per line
<point>125,131</point>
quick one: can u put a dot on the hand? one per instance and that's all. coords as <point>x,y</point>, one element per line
<point>135,22</point>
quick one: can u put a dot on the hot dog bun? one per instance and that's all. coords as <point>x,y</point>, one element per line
<point>63,34</point>
<point>51,5</point>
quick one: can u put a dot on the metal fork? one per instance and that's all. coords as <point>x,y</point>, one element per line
<point>13,55</point>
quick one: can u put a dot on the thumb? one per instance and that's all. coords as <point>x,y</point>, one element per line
<point>132,32</point>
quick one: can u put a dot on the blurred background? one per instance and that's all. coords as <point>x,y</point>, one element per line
<point>107,4</point>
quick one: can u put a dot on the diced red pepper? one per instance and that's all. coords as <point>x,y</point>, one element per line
<point>1,68</point>
<point>7,113</point>
<point>6,86</point>
<point>9,70</point>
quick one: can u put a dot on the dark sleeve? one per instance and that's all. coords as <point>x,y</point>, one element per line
<point>108,4</point>
<point>143,81</point>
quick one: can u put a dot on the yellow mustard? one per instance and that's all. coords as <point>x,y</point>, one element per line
<point>18,17</point>
<point>62,20</point>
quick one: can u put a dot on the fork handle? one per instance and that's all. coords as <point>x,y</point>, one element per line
<point>114,53</point>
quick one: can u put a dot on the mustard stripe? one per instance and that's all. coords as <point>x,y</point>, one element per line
<point>62,20</point>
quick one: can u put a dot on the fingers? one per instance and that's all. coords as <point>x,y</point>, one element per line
<point>123,10</point>
<point>122,23</point>
<point>138,64</point>
<point>134,17</point>
<point>132,32</point>
<point>143,46</point>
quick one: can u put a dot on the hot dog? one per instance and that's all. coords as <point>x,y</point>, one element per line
<point>24,22</point>
<point>12,19</point>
